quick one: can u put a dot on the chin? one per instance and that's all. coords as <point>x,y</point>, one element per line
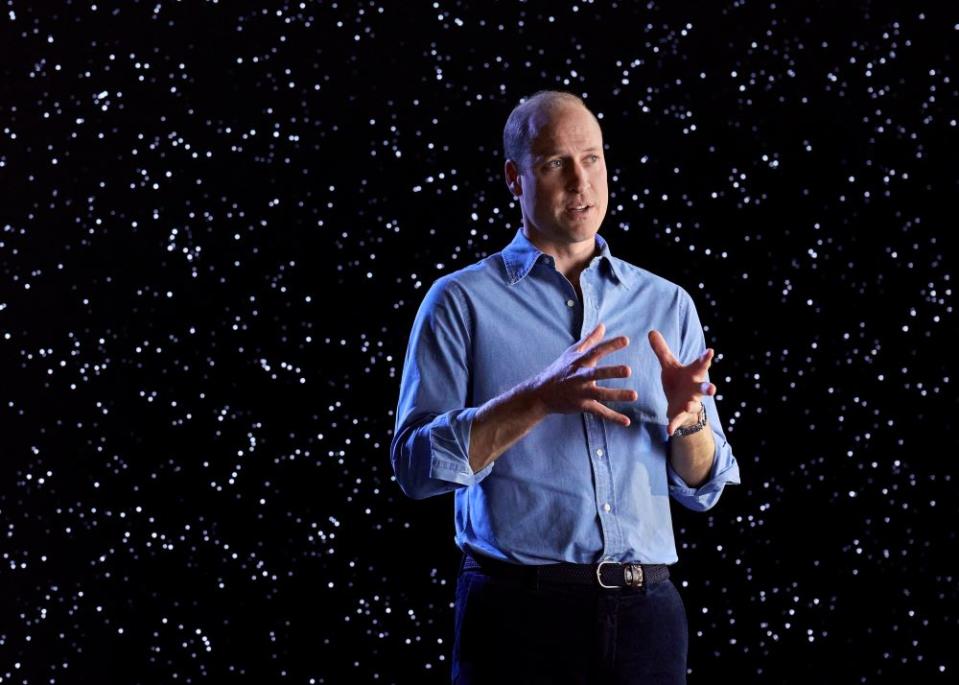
<point>581,234</point>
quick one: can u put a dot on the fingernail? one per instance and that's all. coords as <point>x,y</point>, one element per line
<point>704,388</point>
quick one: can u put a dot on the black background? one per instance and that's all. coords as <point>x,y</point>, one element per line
<point>202,328</point>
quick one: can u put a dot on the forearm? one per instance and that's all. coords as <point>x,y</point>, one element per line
<point>692,455</point>
<point>501,422</point>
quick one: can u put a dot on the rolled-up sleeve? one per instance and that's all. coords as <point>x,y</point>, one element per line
<point>725,468</point>
<point>430,446</point>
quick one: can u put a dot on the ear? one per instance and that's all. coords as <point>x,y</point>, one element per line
<point>513,178</point>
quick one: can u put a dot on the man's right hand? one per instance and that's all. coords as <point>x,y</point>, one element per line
<point>568,385</point>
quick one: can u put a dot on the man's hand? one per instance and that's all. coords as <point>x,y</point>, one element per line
<point>684,386</point>
<point>568,385</point>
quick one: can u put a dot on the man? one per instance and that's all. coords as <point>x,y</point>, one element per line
<point>562,468</point>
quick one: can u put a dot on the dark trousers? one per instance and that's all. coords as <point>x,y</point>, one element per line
<point>509,632</point>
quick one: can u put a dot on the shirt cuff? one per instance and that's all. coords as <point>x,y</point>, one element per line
<point>724,470</point>
<point>449,442</point>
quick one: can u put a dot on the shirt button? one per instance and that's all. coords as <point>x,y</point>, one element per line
<point>607,507</point>
<point>570,303</point>
<point>599,453</point>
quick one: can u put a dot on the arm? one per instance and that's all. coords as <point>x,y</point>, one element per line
<point>502,422</point>
<point>691,456</point>
<point>489,431</point>
<point>429,449</point>
<point>699,465</point>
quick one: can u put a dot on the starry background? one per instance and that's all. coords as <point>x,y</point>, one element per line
<point>219,219</point>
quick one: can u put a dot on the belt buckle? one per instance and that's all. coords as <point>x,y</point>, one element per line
<point>632,573</point>
<point>599,574</point>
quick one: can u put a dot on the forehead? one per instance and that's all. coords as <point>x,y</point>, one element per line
<point>560,127</point>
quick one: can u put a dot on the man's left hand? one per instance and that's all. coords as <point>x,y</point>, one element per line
<point>684,386</point>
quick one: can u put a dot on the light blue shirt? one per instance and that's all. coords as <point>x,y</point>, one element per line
<point>576,488</point>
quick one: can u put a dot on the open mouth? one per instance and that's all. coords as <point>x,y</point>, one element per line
<point>579,209</point>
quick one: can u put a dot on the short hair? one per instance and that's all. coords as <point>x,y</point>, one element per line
<point>518,132</point>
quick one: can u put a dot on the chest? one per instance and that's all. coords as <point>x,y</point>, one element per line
<point>521,331</point>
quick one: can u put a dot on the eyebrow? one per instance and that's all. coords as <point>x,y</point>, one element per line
<point>556,152</point>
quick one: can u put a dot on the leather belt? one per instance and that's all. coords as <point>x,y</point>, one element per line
<point>604,574</point>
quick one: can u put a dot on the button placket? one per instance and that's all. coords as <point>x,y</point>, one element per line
<point>605,489</point>
<point>614,539</point>
<point>601,480</point>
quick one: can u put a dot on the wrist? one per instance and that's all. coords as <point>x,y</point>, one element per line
<point>530,401</point>
<point>696,426</point>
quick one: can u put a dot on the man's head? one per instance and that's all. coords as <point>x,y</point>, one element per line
<point>554,161</point>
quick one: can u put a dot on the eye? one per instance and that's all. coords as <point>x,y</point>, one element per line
<point>555,161</point>
<point>594,157</point>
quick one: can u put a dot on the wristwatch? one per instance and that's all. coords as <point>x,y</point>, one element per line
<point>696,427</point>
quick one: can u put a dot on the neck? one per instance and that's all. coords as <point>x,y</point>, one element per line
<point>571,258</point>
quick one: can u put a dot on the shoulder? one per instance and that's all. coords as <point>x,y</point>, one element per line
<point>648,284</point>
<point>460,283</point>
<point>455,288</point>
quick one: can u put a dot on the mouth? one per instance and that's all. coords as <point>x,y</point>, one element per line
<point>578,210</point>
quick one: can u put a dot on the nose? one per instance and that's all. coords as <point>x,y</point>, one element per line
<point>577,180</point>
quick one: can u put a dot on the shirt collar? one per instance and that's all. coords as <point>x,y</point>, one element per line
<point>520,256</point>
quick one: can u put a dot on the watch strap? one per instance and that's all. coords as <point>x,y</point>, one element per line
<point>696,427</point>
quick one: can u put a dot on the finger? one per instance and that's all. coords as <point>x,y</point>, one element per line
<point>602,410</point>
<point>603,394</point>
<point>658,343</point>
<point>703,361</point>
<point>601,372</point>
<point>698,389</point>
<point>593,355</point>
<point>674,424</point>
<point>706,388</point>
<point>614,394</point>
<point>591,338</point>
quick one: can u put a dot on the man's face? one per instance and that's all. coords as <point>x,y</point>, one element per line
<point>565,169</point>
